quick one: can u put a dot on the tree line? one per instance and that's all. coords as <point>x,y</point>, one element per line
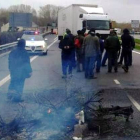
<point>45,15</point>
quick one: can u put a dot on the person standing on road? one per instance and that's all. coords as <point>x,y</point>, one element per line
<point>91,48</point>
<point>20,69</point>
<point>127,46</point>
<point>99,55</point>
<point>78,45</point>
<point>67,47</point>
<point>73,55</point>
<point>112,46</point>
<point>130,55</point>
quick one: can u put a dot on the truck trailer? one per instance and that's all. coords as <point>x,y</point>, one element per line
<point>83,16</point>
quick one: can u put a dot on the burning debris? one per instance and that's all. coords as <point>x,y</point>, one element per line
<point>84,109</point>
<point>97,118</point>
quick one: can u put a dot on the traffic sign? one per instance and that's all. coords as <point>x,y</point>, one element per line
<point>20,19</point>
<point>135,24</point>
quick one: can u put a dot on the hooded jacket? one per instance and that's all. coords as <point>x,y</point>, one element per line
<point>19,64</point>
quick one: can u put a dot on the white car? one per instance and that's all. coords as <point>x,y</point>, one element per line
<point>35,44</point>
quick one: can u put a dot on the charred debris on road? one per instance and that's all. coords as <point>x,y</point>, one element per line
<point>59,120</point>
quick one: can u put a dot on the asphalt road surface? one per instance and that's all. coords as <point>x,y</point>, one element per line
<point>46,92</point>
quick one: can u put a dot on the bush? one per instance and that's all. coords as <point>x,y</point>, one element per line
<point>9,37</point>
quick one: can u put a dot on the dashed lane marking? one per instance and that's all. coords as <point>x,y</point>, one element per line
<point>117,82</point>
<point>7,78</point>
<point>135,103</point>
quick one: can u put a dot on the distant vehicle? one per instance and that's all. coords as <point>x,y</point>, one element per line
<point>118,31</point>
<point>79,16</point>
<point>31,32</point>
<point>35,44</point>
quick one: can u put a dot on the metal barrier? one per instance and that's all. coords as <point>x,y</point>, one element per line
<point>11,45</point>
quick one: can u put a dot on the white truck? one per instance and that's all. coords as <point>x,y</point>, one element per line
<point>79,16</point>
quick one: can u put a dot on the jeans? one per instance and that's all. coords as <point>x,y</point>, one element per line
<point>73,58</point>
<point>98,64</point>
<point>127,55</point>
<point>112,60</point>
<point>89,66</point>
<point>104,58</point>
<point>66,66</point>
<point>80,60</point>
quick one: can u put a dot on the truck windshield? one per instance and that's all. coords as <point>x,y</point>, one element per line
<point>98,24</point>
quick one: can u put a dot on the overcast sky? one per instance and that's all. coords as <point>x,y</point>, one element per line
<point>119,10</point>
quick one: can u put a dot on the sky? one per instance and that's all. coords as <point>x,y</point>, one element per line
<point>118,10</point>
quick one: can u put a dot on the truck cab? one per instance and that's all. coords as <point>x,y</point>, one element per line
<point>81,16</point>
<point>100,23</point>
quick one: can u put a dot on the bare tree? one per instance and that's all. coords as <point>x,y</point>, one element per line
<point>4,16</point>
<point>20,8</point>
<point>48,14</point>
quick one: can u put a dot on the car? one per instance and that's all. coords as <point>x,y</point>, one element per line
<point>35,43</point>
<point>30,32</point>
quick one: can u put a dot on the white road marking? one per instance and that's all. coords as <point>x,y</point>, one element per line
<point>33,58</point>
<point>56,38</point>
<point>52,43</point>
<point>7,78</point>
<point>136,52</point>
<point>134,102</point>
<point>3,54</point>
<point>117,82</point>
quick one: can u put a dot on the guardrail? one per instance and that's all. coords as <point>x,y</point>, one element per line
<point>9,46</point>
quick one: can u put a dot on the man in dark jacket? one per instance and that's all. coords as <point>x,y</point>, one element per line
<point>112,46</point>
<point>127,44</point>
<point>91,48</point>
<point>67,47</point>
<point>73,56</point>
<point>130,55</point>
<point>20,69</point>
<point>78,45</point>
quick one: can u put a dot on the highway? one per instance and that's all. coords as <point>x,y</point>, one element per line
<point>46,91</point>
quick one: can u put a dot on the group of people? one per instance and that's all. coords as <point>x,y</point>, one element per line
<point>89,50</point>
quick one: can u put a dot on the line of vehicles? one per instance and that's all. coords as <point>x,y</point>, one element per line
<point>75,17</point>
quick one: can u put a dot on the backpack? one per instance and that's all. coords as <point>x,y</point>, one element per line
<point>77,43</point>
